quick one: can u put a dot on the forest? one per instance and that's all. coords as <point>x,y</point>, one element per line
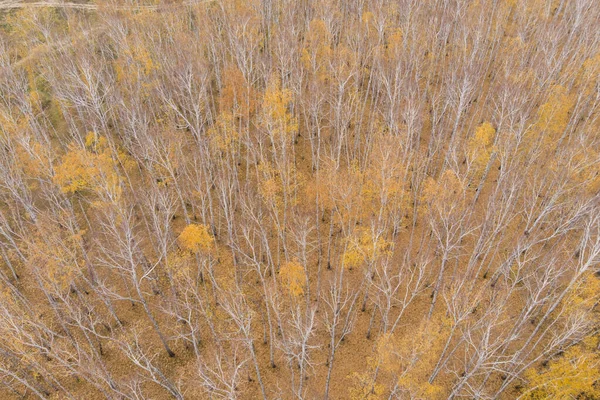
<point>299,199</point>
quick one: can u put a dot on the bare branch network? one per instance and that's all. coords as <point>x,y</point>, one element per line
<point>300,199</point>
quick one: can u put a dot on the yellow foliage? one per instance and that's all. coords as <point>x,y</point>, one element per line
<point>584,169</point>
<point>365,386</point>
<point>196,238</point>
<point>392,51</point>
<point>135,65</point>
<point>271,185</point>
<point>27,25</point>
<point>276,118</point>
<point>56,255</point>
<point>223,135</point>
<point>317,50</point>
<point>412,357</point>
<point>276,186</point>
<point>442,190</point>
<point>444,196</point>
<point>179,264</point>
<point>575,373</point>
<point>584,296</point>
<point>94,143</point>
<point>553,117</point>
<point>237,97</point>
<point>293,277</point>
<point>32,159</point>
<point>142,56</point>
<point>364,247</point>
<point>590,74</point>
<point>74,173</point>
<point>353,257</point>
<point>480,146</point>
<point>571,376</point>
<point>93,168</point>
